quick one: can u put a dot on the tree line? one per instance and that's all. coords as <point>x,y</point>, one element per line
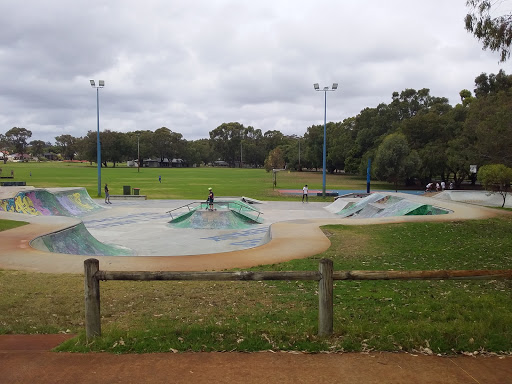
<point>416,136</point>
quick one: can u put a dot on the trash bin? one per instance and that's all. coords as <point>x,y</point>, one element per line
<point>136,191</point>
<point>127,190</point>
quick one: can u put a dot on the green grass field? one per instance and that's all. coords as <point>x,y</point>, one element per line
<point>444,317</point>
<point>9,224</point>
<point>179,183</point>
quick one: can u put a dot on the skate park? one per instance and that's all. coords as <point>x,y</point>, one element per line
<point>142,229</point>
<point>66,226</point>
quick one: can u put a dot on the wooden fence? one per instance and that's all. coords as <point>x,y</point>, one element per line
<point>325,277</point>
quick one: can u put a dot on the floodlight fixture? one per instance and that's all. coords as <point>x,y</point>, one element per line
<point>317,87</point>
<point>92,83</point>
<point>101,83</point>
<point>334,86</point>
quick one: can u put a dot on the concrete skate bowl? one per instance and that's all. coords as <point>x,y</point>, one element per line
<point>73,202</point>
<point>220,219</point>
<point>476,197</point>
<point>381,205</point>
<point>227,215</point>
<point>68,202</point>
<point>77,240</point>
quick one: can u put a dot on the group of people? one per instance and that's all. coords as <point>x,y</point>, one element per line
<point>438,186</point>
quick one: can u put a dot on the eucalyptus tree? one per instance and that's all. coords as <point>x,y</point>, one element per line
<point>313,151</point>
<point>38,147</point>
<point>167,144</point>
<point>488,121</point>
<point>17,138</point>
<point>67,146</point>
<point>394,160</point>
<point>226,140</point>
<point>490,25</point>
<point>496,178</point>
<point>253,148</point>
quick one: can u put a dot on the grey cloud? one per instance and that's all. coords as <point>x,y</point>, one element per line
<point>193,65</point>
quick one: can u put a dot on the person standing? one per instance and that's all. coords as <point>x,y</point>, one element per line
<point>160,179</point>
<point>107,195</point>
<point>305,193</point>
<point>210,199</point>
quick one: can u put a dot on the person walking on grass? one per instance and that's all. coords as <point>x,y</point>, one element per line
<point>305,193</point>
<point>107,195</point>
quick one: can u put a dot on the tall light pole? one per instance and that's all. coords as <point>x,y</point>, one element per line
<point>138,153</point>
<point>325,90</point>
<point>101,84</point>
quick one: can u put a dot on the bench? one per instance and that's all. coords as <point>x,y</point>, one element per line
<point>128,197</point>
<point>13,183</point>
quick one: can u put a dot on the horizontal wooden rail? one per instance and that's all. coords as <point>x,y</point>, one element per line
<point>209,276</point>
<point>483,274</point>
<point>325,277</point>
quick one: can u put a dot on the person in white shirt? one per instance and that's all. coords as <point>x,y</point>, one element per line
<point>305,193</point>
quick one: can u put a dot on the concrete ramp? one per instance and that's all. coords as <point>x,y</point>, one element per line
<point>476,197</point>
<point>360,205</point>
<point>338,205</point>
<point>77,240</point>
<point>381,205</point>
<point>73,202</point>
<point>220,219</point>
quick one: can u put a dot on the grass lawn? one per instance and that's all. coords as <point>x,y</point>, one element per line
<point>9,224</point>
<point>440,316</point>
<point>181,183</point>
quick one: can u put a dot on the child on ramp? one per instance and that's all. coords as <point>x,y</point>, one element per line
<point>210,199</point>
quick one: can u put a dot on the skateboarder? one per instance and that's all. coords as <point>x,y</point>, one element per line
<point>210,199</point>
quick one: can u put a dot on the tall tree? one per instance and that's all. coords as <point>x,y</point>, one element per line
<point>489,122</point>
<point>37,147</point>
<point>167,144</point>
<point>274,160</point>
<point>67,146</point>
<point>313,148</point>
<point>226,139</point>
<point>493,30</point>
<point>394,160</point>
<point>17,137</point>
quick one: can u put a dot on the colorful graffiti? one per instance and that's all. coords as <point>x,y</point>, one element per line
<point>75,202</point>
<point>7,205</point>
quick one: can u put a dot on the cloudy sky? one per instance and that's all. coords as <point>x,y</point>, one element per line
<point>193,65</point>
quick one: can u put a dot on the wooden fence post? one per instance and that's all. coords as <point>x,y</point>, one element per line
<point>325,301</point>
<point>92,298</point>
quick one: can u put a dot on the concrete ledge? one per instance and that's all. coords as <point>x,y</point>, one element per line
<point>128,197</point>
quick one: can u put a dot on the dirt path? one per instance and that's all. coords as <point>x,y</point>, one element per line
<point>27,359</point>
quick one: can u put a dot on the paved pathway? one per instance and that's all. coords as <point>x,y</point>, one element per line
<point>27,359</point>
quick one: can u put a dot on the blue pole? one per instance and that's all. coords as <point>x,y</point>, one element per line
<point>368,175</point>
<point>325,144</point>
<point>98,148</point>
